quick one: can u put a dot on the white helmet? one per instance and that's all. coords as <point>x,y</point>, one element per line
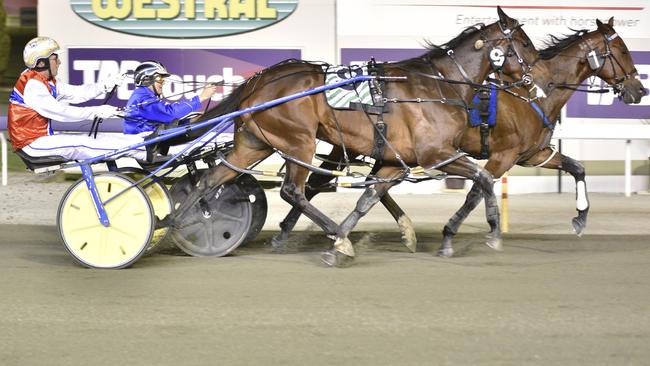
<point>39,48</point>
<point>147,72</point>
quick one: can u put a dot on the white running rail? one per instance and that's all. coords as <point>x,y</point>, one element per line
<point>608,132</point>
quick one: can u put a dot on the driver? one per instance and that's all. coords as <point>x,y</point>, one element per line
<point>39,97</point>
<point>146,108</point>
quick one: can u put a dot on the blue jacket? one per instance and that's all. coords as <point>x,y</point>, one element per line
<point>144,111</point>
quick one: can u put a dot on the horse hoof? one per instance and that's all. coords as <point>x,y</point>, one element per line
<point>334,258</point>
<point>495,243</point>
<point>578,226</point>
<point>277,243</point>
<point>410,244</point>
<point>445,252</point>
<point>409,239</point>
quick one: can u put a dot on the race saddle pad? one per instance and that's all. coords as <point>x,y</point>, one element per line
<point>475,118</point>
<point>348,95</point>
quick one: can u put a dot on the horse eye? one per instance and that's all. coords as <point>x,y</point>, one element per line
<point>526,44</point>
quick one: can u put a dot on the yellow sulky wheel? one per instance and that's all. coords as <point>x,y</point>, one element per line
<point>92,244</point>
<point>161,202</point>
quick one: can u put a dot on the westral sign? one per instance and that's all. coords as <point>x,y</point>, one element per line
<point>190,68</point>
<point>591,105</point>
<point>183,18</point>
<point>581,105</point>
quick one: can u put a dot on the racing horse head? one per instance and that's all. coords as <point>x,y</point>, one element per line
<point>501,47</point>
<point>602,53</point>
<point>616,62</point>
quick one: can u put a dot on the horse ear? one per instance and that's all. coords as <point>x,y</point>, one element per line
<point>599,23</point>
<point>610,22</point>
<point>503,17</point>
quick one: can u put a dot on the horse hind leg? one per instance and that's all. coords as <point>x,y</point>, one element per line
<point>293,192</point>
<point>408,236</point>
<point>289,222</point>
<point>342,254</point>
<point>242,156</point>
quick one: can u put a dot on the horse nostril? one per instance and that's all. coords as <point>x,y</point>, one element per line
<point>644,91</point>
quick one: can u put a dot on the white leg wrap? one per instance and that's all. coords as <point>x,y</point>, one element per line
<point>581,200</point>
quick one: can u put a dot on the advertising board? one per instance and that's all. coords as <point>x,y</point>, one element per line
<point>190,68</point>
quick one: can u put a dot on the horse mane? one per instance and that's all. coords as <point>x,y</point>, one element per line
<point>555,45</point>
<point>226,105</point>
<point>434,50</point>
<point>232,102</point>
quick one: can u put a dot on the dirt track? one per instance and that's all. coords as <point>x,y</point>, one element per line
<point>549,299</point>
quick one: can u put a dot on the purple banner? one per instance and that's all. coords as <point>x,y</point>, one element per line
<point>592,105</point>
<point>88,65</point>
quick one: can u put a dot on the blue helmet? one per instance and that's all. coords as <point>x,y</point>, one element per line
<point>148,71</point>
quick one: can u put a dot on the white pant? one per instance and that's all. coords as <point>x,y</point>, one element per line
<point>80,146</point>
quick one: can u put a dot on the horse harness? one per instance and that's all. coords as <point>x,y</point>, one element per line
<point>380,102</point>
<point>377,94</point>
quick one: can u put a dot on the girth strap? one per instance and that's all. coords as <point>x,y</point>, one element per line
<point>483,106</point>
<point>379,145</point>
<point>377,93</point>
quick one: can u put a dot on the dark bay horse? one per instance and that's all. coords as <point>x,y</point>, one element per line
<point>522,134</point>
<point>420,134</point>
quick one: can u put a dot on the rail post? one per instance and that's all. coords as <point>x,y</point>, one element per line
<point>628,168</point>
<point>504,202</point>
<point>3,142</point>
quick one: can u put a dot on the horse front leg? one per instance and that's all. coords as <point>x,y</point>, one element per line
<point>342,254</point>
<point>408,237</point>
<point>577,170</point>
<point>471,201</point>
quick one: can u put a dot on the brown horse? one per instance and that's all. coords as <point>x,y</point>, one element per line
<point>522,134</point>
<point>423,134</point>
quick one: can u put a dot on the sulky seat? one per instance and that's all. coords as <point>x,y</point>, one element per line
<point>36,162</point>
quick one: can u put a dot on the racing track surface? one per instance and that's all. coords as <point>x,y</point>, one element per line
<point>549,299</point>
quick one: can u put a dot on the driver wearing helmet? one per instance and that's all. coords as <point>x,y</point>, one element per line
<point>39,97</point>
<point>146,108</point>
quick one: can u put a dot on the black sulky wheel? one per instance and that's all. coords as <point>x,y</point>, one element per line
<point>216,226</point>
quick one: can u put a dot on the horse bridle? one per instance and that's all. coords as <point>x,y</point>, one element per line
<point>526,78</point>
<point>507,35</point>
<point>597,60</point>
